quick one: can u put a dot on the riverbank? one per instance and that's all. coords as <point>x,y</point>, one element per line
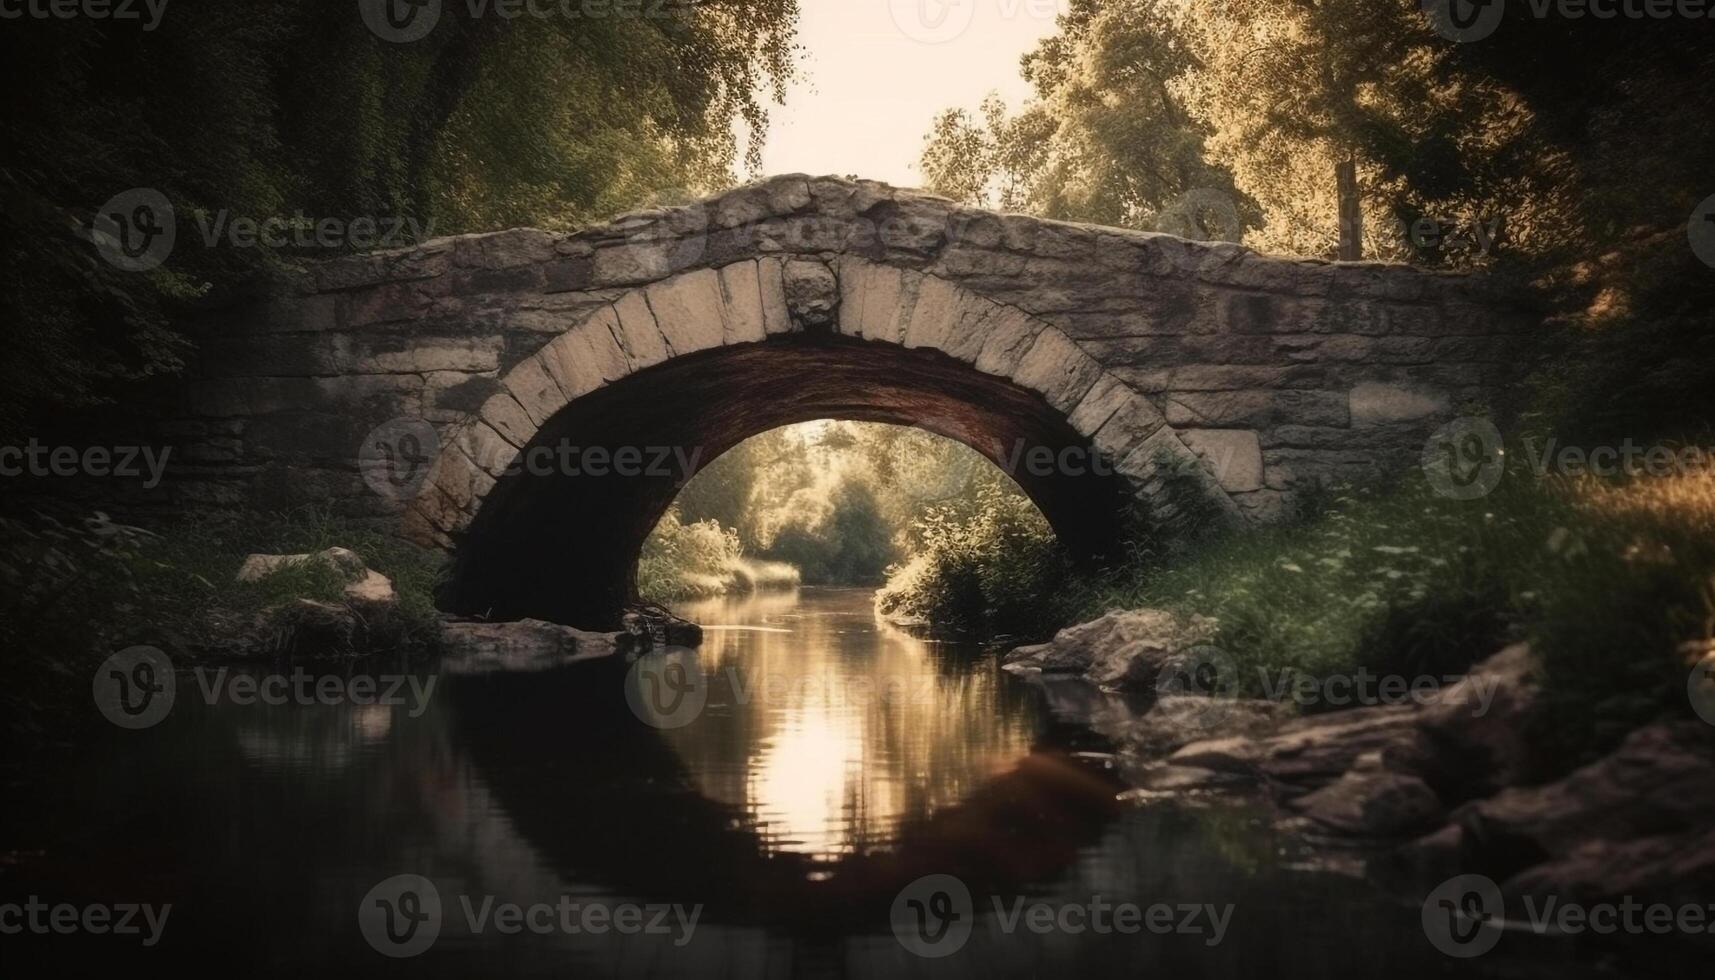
<point>1408,781</point>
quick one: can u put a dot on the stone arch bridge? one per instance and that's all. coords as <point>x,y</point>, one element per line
<point>1214,383</point>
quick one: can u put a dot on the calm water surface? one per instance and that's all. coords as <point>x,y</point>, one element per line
<point>833,762</point>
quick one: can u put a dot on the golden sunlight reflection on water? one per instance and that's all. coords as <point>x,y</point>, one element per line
<point>851,727</point>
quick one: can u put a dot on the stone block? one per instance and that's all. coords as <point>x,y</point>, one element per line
<point>812,293</point>
<point>1256,408</point>
<point>741,303</point>
<point>688,310</point>
<point>638,334</point>
<point>1375,402</point>
<point>1011,335</point>
<point>1233,455</point>
<point>535,389</point>
<point>1059,369</point>
<point>504,415</point>
<point>771,283</point>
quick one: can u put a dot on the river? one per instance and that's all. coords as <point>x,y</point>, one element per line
<point>829,796</point>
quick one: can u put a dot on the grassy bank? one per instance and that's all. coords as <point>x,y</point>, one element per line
<point>1609,580</point>
<point>80,589</point>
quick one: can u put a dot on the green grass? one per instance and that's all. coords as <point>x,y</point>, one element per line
<point>78,590</point>
<point>1608,581</point>
<point>193,565</point>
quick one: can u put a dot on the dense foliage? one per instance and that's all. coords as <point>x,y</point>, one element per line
<point>293,110</point>
<point>80,590</point>
<point>1235,113</point>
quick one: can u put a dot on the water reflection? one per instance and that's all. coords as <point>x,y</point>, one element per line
<point>832,729</point>
<point>792,818</point>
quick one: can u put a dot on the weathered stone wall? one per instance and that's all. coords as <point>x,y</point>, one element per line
<point>1280,373</point>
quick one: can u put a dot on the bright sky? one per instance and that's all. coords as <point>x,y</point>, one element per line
<point>878,72</point>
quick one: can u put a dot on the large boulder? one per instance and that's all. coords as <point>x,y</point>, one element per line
<point>1373,802</point>
<point>365,619</point>
<point>343,560</point>
<point>1672,869</point>
<point>1123,649</point>
<point>1477,727</point>
<point>1661,780</point>
<point>1465,742</point>
<point>369,592</point>
<point>1607,829</point>
<point>1305,753</point>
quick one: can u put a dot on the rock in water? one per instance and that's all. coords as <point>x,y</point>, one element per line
<point>1125,649</point>
<point>655,626</point>
<point>529,644</point>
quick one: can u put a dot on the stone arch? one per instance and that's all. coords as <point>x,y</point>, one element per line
<point>1282,375</point>
<point>850,337</point>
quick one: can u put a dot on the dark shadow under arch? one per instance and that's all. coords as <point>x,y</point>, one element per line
<point>564,547</point>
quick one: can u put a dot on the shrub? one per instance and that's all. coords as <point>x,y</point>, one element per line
<point>77,591</point>
<point>701,559</point>
<point>1606,579</point>
<point>994,567</point>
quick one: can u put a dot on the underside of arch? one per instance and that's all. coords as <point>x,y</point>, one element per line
<point>556,545</point>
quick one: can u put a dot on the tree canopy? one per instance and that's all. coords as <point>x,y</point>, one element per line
<point>285,109</point>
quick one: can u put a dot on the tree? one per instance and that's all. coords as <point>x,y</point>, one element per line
<point>280,108</point>
<point>1106,140</point>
